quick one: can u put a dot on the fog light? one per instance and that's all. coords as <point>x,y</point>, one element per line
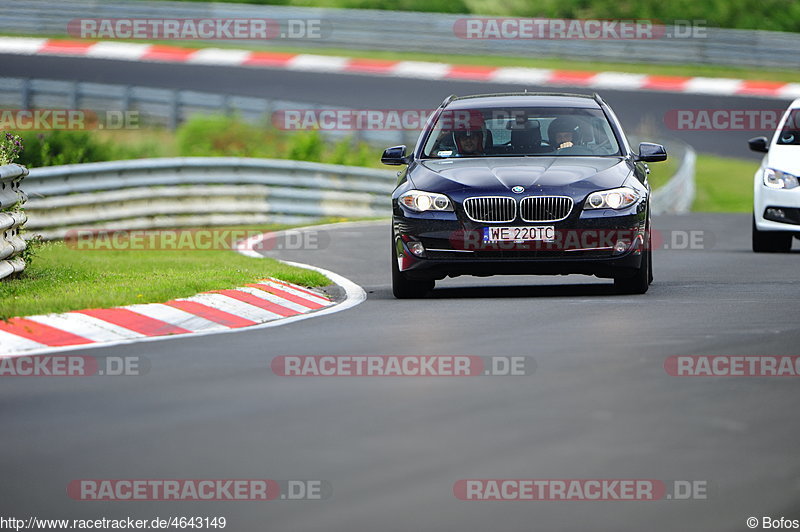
<point>620,246</point>
<point>774,214</point>
<point>416,248</point>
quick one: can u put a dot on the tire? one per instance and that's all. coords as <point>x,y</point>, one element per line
<point>771,241</point>
<point>639,282</point>
<point>405,288</point>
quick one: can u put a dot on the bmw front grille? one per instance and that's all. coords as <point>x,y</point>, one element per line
<point>545,208</point>
<point>494,209</point>
<point>502,209</point>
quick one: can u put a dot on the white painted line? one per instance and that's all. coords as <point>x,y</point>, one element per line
<point>618,80</point>
<point>11,344</point>
<point>723,86</point>
<point>118,50</point>
<point>219,56</point>
<point>421,69</point>
<point>789,91</point>
<point>234,306</point>
<point>354,294</point>
<point>25,46</point>
<point>525,76</point>
<point>175,316</point>
<point>88,327</point>
<point>317,63</point>
<point>299,293</point>
<point>272,298</point>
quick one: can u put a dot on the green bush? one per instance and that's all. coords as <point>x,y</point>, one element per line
<point>209,136</point>
<point>218,136</point>
<point>200,136</point>
<point>72,147</point>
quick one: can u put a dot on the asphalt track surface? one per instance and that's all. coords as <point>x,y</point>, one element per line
<point>640,112</point>
<point>599,405</point>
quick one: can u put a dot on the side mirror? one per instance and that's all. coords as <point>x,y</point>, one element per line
<point>651,153</point>
<point>759,144</point>
<point>395,155</point>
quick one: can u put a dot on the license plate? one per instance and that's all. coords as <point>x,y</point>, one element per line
<point>519,234</point>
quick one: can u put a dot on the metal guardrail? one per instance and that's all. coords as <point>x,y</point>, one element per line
<point>677,196</point>
<point>417,32</point>
<point>11,219</point>
<point>164,107</point>
<point>200,191</point>
<point>213,191</point>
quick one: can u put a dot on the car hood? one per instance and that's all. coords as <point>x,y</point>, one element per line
<point>785,158</point>
<point>573,176</point>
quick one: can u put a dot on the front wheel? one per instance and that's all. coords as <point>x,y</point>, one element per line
<point>639,282</point>
<point>771,241</point>
<point>405,288</point>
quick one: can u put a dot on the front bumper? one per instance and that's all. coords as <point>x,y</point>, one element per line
<point>785,200</point>
<point>584,244</point>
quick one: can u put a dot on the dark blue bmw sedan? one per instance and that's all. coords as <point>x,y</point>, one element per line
<point>522,183</point>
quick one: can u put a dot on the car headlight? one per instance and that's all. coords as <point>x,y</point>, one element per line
<point>615,198</point>
<point>420,201</point>
<point>777,179</point>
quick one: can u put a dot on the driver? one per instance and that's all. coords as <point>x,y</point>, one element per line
<point>564,132</point>
<point>470,136</point>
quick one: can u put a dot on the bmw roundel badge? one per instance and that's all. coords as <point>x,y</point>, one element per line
<point>518,189</point>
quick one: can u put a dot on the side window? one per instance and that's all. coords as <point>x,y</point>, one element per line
<point>790,133</point>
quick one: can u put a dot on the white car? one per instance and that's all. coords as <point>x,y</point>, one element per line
<point>776,197</point>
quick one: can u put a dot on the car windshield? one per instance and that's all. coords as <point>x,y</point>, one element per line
<point>521,131</point>
<point>790,133</point>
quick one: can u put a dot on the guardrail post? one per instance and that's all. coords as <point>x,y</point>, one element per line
<point>74,96</point>
<point>126,98</point>
<point>174,115</point>
<point>25,94</point>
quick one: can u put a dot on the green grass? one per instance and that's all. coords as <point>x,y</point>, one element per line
<point>724,184</point>
<point>61,278</point>
<point>661,172</point>
<point>534,61</point>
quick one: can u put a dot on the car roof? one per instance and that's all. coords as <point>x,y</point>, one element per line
<point>523,99</point>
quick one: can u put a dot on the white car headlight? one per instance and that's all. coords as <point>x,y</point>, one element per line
<point>615,198</point>
<point>420,201</point>
<point>777,179</point>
